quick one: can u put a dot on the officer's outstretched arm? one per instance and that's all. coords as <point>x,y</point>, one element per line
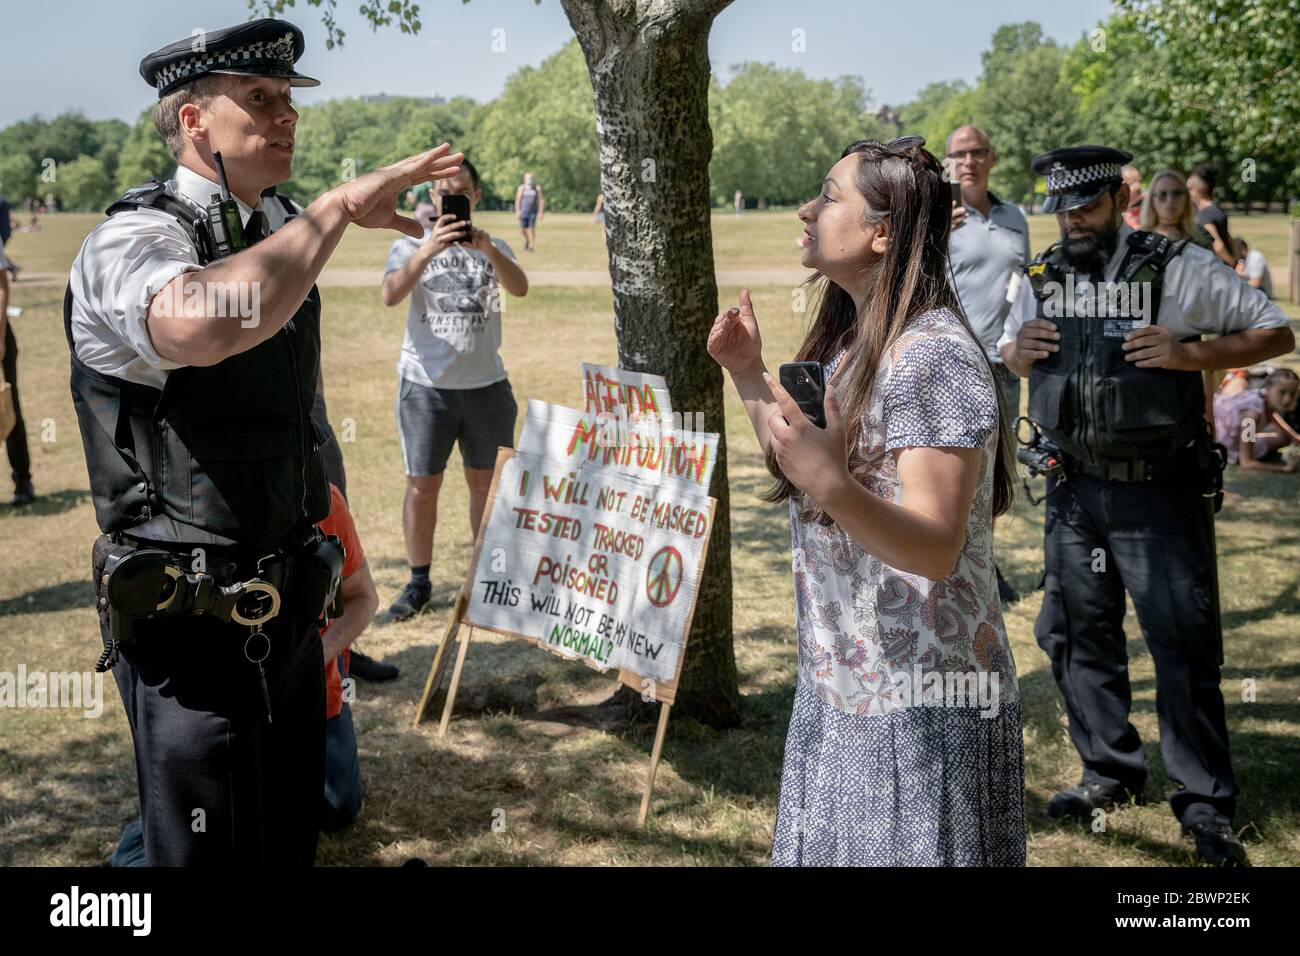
<point>1241,349</point>
<point>1251,328</point>
<point>276,274</point>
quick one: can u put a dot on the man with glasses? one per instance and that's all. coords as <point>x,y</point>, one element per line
<point>987,249</point>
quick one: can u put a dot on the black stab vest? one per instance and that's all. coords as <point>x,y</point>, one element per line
<point>229,448</point>
<point>1090,402</point>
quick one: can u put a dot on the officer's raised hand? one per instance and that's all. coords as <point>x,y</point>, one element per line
<point>370,200</point>
<point>1154,346</point>
<point>283,267</point>
<point>1035,340</point>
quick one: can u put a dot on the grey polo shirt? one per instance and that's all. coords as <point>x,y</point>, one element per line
<point>988,256</point>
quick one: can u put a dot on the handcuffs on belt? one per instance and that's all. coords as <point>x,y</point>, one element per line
<point>135,582</point>
<point>147,583</point>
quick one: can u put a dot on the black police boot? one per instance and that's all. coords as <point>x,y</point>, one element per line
<point>24,493</point>
<point>367,668</point>
<point>1081,800</point>
<point>413,599</point>
<point>1006,593</point>
<point>1217,844</point>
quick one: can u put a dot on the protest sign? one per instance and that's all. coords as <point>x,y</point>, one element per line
<point>593,539</point>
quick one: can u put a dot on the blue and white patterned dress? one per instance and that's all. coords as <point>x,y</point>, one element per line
<point>905,747</point>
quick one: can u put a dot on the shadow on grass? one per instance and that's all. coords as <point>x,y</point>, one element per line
<point>54,597</point>
<point>81,798</point>
<point>50,503</point>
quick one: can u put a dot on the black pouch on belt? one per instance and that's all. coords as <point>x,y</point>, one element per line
<point>319,571</point>
<point>130,582</point>
<point>1210,460</point>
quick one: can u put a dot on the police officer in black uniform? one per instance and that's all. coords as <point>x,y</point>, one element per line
<point>194,326</point>
<point>1107,330</point>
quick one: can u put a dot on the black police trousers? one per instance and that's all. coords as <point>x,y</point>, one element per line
<point>218,784</point>
<point>1151,538</point>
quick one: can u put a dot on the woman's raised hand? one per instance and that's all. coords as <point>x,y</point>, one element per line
<point>734,341</point>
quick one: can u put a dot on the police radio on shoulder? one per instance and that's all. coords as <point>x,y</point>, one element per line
<point>224,222</point>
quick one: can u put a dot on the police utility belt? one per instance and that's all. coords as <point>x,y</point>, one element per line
<point>1137,469</point>
<point>139,580</point>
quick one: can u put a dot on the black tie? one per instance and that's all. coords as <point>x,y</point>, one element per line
<point>255,228</point>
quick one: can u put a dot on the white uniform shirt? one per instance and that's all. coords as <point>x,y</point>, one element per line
<point>124,262</point>
<point>1199,295</point>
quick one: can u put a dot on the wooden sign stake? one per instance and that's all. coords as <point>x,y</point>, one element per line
<point>664,708</point>
<point>440,656</point>
<point>455,683</point>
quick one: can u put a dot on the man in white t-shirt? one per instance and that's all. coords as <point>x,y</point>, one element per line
<point>1253,267</point>
<point>452,385</point>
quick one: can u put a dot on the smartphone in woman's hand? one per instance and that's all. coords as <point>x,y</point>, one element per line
<point>806,383</point>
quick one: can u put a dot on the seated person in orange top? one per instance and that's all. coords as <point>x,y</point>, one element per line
<point>343,791</point>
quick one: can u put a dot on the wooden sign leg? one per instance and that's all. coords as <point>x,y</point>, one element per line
<point>455,682</point>
<point>664,708</point>
<point>440,658</point>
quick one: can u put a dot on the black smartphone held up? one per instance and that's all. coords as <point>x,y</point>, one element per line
<point>458,206</point>
<point>955,186</point>
<point>806,383</point>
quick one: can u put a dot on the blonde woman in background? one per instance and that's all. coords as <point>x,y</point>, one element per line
<point>1166,208</point>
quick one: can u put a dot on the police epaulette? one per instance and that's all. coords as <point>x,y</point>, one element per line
<point>137,196</point>
<point>154,195</point>
<point>1157,247</point>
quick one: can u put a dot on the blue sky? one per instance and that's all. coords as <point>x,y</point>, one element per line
<point>83,54</point>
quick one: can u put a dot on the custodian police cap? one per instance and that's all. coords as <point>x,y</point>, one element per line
<point>263,47</point>
<point>1076,175</point>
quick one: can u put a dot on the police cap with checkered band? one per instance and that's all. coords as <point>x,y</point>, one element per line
<point>1076,175</point>
<point>262,47</point>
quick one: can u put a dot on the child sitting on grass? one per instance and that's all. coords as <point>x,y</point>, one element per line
<point>1258,446</point>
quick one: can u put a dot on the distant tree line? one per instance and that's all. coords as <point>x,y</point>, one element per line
<point>1153,79</point>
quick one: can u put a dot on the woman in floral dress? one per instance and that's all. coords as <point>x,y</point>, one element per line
<point>905,745</point>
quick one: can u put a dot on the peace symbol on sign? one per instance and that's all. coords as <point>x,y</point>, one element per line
<point>663,577</point>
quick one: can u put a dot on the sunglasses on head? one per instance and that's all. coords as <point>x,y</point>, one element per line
<point>912,148</point>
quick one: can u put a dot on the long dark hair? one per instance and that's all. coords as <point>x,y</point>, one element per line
<point>904,182</point>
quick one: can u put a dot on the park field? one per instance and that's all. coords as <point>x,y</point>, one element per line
<point>529,745</point>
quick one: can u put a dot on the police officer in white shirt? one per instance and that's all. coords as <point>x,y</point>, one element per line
<point>194,325</point>
<point>1106,328</point>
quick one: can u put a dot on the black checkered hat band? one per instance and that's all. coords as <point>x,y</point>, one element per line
<point>276,54</point>
<point>1064,180</point>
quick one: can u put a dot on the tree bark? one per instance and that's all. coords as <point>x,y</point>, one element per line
<point>649,66</point>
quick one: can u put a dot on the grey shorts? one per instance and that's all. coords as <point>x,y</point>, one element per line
<point>431,420</point>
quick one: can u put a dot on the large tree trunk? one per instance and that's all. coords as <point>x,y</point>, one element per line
<point>649,66</point>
